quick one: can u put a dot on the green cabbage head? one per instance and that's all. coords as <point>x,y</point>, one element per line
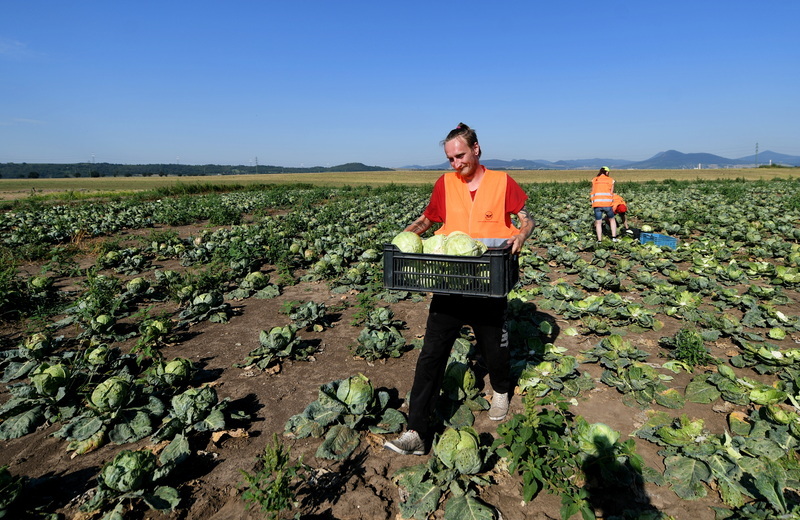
<point>47,379</point>
<point>180,367</point>
<point>459,450</point>
<point>462,245</point>
<point>194,405</point>
<point>766,395</point>
<point>137,286</point>
<point>129,470</point>
<point>434,245</point>
<point>780,415</point>
<point>596,439</point>
<point>459,381</point>
<point>40,283</point>
<point>256,280</point>
<point>103,323</point>
<point>35,346</point>
<point>408,242</point>
<point>111,393</point>
<point>98,355</point>
<point>357,393</point>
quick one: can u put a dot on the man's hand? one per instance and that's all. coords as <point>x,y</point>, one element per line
<point>516,243</point>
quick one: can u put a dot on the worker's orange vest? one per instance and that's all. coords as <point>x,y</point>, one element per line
<point>602,189</point>
<point>616,201</point>
<point>484,217</point>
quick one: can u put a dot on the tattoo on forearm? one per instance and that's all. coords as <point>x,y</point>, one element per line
<point>418,226</point>
<point>526,223</point>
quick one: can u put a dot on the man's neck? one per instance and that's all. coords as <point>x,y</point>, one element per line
<point>475,180</point>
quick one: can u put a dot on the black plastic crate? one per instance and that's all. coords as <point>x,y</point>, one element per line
<point>492,274</point>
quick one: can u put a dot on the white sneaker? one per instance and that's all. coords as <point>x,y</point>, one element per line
<point>499,407</point>
<point>410,443</point>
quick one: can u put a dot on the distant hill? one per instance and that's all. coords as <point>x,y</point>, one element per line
<point>592,164</point>
<point>673,159</point>
<point>768,157</point>
<point>669,160</point>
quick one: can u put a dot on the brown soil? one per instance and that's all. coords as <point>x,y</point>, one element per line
<point>210,487</point>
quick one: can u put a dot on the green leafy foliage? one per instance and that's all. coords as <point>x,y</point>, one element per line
<point>752,468</point>
<point>310,315</point>
<point>120,411</point>
<point>273,487</point>
<point>689,347</point>
<point>10,490</point>
<point>539,447</point>
<point>207,306</point>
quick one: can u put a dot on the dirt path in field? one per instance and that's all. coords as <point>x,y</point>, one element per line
<point>363,488</point>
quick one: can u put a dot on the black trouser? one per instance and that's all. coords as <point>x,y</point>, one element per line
<point>448,314</point>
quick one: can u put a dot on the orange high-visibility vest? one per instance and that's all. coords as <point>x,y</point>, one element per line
<point>616,201</point>
<point>484,217</point>
<point>602,190</point>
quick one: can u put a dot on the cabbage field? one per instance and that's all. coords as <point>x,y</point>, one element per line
<point>234,355</point>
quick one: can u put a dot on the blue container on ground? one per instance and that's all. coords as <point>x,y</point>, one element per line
<point>659,240</point>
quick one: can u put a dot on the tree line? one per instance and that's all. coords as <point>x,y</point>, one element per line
<point>90,169</point>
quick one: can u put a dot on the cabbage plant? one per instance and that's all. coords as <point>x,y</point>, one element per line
<point>342,409</point>
<point>460,450</point>
<point>18,363</point>
<point>120,411</point>
<point>209,306</point>
<point>380,338</point>
<point>195,410</point>
<point>47,397</point>
<point>133,476</point>
<point>451,476</point>
<point>276,346</point>
<point>177,372</point>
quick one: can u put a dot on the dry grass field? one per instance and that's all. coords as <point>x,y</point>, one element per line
<point>11,189</point>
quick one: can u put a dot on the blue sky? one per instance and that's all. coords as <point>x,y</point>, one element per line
<point>307,83</point>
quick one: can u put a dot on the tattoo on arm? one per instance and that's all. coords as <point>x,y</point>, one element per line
<point>526,223</point>
<point>420,225</point>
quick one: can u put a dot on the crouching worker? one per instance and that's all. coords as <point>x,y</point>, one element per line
<point>621,210</point>
<point>479,202</point>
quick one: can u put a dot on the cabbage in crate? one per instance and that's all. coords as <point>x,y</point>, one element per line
<point>461,244</point>
<point>408,242</point>
<point>434,245</point>
<point>428,273</point>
